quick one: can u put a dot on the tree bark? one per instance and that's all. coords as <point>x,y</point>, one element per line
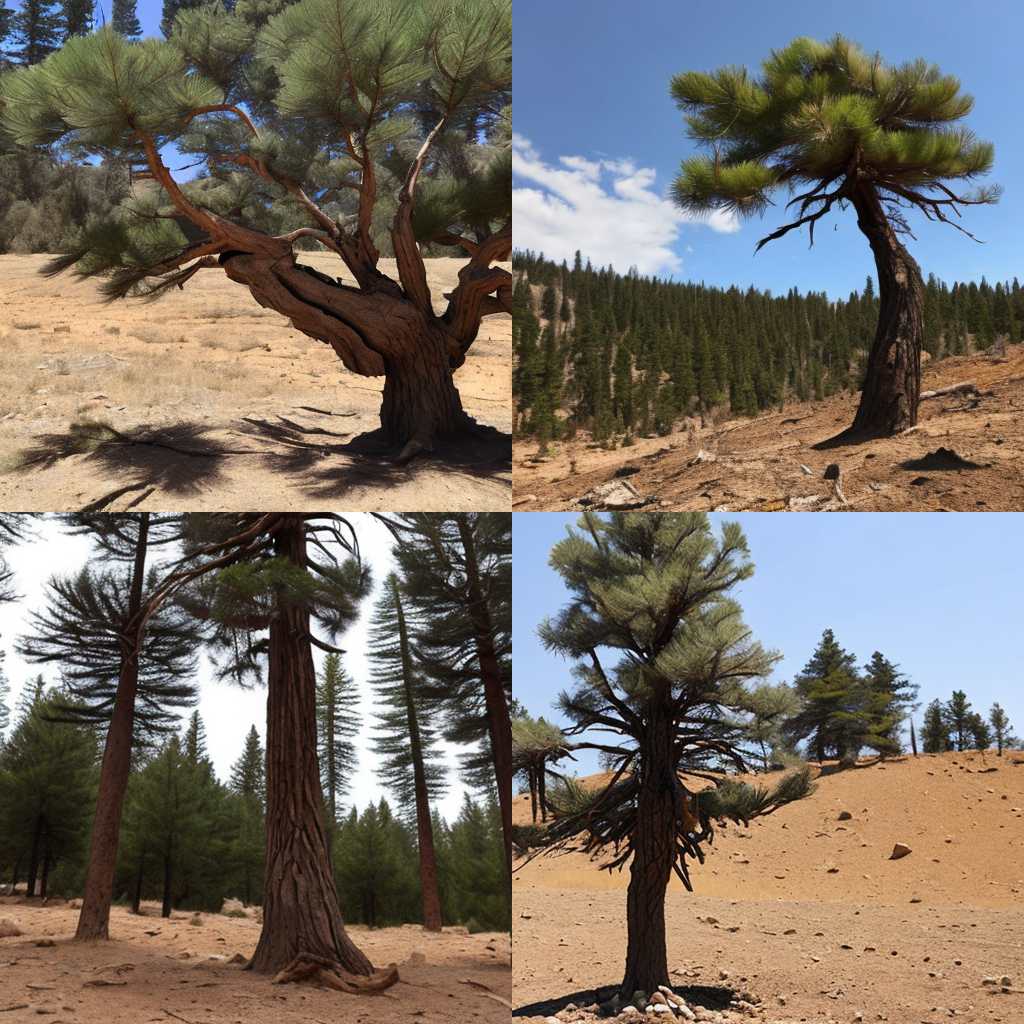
<point>33,860</point>
<point>137,898</point>
<point>94,919</point>
<point>44,881</point>
<point>424,826</point>
<point>301,917</point>
<point>499,722</point>
<point>532,777</point>
<point>653,842</point>
<point>892,387</point>
<point>166,907</point>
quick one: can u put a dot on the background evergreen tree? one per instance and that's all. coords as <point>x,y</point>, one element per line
<point>536,746</point>
<point>835,125</point>
<point>124,18</point>
<point>249,786</point>
<point>76,18</point>
<point>1000,723</point>
<point>337,723</point>
<point>654,589</point>
<point>935,737</point>
<point>476,869</point>
<point>768,706</point>
<point>36,31</point>
<point>410,764</point>
<point>957,711</point>
<point>980,733</point>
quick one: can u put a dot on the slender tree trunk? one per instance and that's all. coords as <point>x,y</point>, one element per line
<point>137,898</point>
<point>15,874</point>
<point>44,882</point>
<point>651,868</point>
<point>300,906</point>
<point>499,722</point>
<point>913,738</point>
<point>532,776</point>
<point>892,386</point>
<point>424,826</point>
<point>94,919</point>
<point>542,791</point>
<point>165,910</point>
<point>33,859</point>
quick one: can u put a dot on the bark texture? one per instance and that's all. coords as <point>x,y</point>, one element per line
<point>94,919</point>
<point>302,923</point>
<point>892,386</point>
<point>651,868</point>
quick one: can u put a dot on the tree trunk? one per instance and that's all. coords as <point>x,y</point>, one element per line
<point>653,842</point>
<point>424,826</point>
<point>94,919</point>
<point>301,917</point>
<point>499,722</point>
<point>892,386</point>
<point>33,859</point>
<point>542,791</point>
<point>421,401</point>
<point>166,908</point>
<point>44,881</point>
<point>137,898</point>
<point>532,777</point>
<point>913,738</point>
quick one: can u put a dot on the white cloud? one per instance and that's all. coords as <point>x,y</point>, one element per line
<point>608,209</point>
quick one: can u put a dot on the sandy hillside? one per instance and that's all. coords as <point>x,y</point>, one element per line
<point>805,908</point>
<point>216,402</point>
<point>769,463</point>
<point>168,970</point>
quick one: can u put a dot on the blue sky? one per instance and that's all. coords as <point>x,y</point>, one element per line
<point>938,594</point>
<point>592,86</point>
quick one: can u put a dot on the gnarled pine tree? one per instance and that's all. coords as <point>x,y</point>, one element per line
<point>346,122</point>
<point>653,589</point>
<point>839,127</point>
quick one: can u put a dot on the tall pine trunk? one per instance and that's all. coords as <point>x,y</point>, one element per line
<point>44,881</point>
<point>499,722</point>
<point>166,907</point>
<point>424,825</point>
<point>892,387</point>
<point>532,776</point>
<point>94,919</point>
<point>33,859</point>
<point>653,843</point>
<point>137,897</point>
<point>300,907</point>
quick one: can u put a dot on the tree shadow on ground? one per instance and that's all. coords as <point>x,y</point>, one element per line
<point>328,464</point>
<point>848,438</point>
<point>178,458</point>
<point>711,997</point>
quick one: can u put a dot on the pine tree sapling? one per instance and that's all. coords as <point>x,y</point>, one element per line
<point>654,588</point>
<point>349,124</point>
<point>837,126</point>
<point>935,734</point>
<point>1000,723</point>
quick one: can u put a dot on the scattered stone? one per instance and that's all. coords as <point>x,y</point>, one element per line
<point>238,958</point>
<point>8,929</point>
<point>703,456</point>
<point>844,816</point>
<point>807,469</point>
<point>233,908</point>
<point>45,943</point>
<point>613,495</point>
<point>525,499</point>
<point>75,904</point>
<point>899,850</point>
<point>104,983</point>
<point>196,920</point>
<point>990,981</point>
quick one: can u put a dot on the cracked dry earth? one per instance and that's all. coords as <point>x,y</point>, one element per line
<point>805,912</point>
<point>769,463</point>
<point>205,399</point>
<point>170,971</point>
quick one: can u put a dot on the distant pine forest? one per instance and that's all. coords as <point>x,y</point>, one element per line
<point>622,355</point>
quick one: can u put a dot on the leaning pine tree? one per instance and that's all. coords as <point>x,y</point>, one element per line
<point>652,588</point>
<point>342,123</point>
<point>836,126</point>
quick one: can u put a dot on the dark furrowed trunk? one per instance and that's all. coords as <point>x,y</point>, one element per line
<point>166,907</point>
<point>94,919</point>
<point>137,897</point>
<point>44,881</point>
<point>651,868</point>
<point>424,826</point>
<point>33,858</point>
<point>892,386</point>
<point>300,906</point>
<point>499,721</point>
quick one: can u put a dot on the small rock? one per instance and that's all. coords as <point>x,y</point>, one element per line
<point>8,929</point>
<point>196,920</point>
<point>844,816</point>
<point>899,850</point>
<point>238,958</point>
<point>45,943</point>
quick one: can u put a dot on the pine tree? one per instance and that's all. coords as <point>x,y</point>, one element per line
<point>935,737</point>
<point>536,745</point>
<point>410,765</point>
<point>980,733</point>
<point>890,695</point>
<point>1000,723</point>
<point>337,723</point>
<point>957,712</point>
<point>77,18</point>
<point>840,127</point>
<point>124,18</point>
<point>654,588</point>
<point>248,784</point>
<point>373,124</point>
<point>35,31</point>
<point>768,706</point>
<point>476,869</point>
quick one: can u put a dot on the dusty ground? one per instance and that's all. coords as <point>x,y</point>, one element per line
<point>217,402</point>
<point>179,974</point>
<point>904,941</point>
<point>759,463</point>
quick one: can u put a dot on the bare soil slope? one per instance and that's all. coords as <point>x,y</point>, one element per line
<point>809,908</point>
<point>770,463</point>
<point>215,403</point>
<point>169,970</point>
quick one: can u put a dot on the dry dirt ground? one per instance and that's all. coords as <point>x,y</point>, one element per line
<point>169,971</point>
<point>770,463</point>
<point>808,913</point>
<point>215,403</point>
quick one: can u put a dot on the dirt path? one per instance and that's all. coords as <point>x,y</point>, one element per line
<point>770,463</point>
<point>169,971</point>
<point>206,401</point>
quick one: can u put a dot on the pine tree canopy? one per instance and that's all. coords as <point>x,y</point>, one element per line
<point>830,116</point>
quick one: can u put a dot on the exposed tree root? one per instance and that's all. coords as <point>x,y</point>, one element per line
<point>330,974</point>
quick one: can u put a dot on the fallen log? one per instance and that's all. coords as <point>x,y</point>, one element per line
<point>964,388</point>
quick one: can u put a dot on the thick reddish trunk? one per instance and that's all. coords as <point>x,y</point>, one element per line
<point>301,917</point>
<point>892,386</point>
<point>94,919</point>
<point>424,826</point>
<point>653,842</point>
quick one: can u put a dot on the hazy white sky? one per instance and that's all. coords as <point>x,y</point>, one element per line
<point>226,710</point>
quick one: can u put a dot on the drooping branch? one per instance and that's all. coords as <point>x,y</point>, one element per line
<point>477,281</point>
<point>827,199</point>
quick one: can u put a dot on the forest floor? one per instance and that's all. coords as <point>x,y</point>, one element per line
<point>167,970</point>
<point>770,463</point>
<point>206,401</point>
<point>808,913</point>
